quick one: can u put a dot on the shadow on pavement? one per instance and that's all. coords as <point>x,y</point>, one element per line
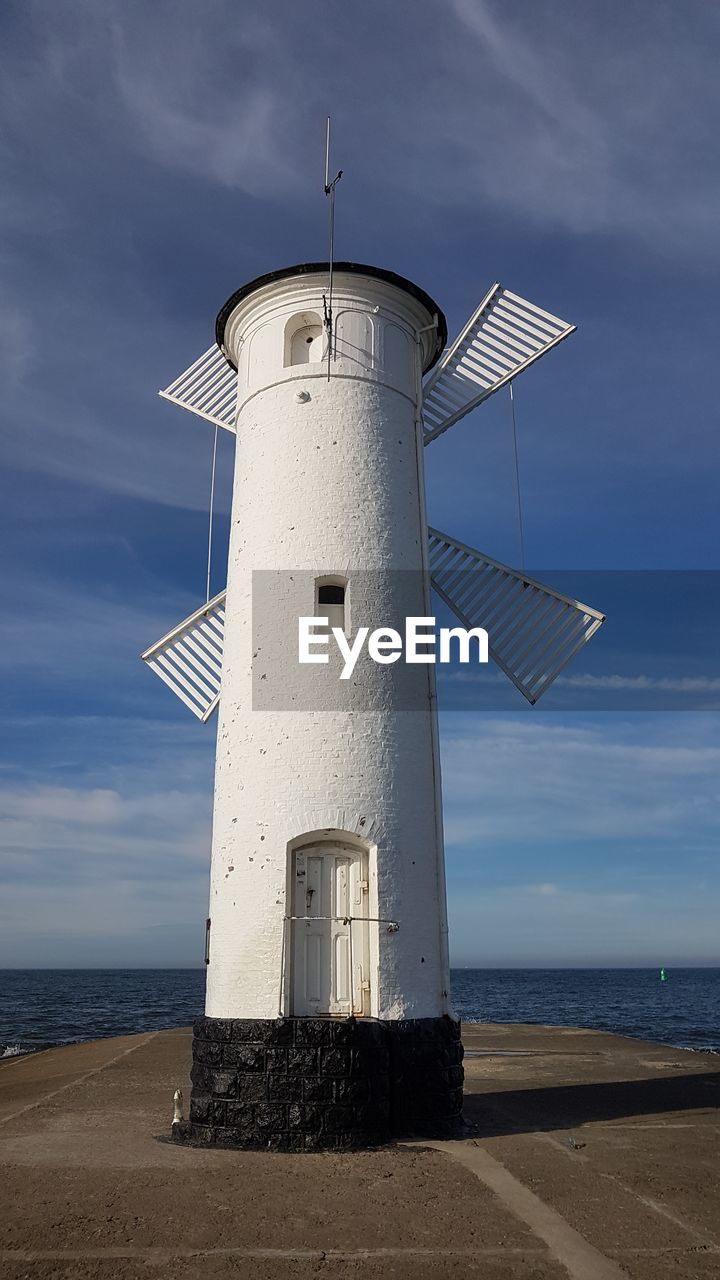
<point>567,1106</point>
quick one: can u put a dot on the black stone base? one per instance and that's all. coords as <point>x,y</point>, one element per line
<point>310,1084</point>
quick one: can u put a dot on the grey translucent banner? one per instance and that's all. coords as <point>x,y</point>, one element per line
<point>657,650</point>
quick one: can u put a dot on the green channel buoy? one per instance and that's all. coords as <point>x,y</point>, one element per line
<point>663,976</point>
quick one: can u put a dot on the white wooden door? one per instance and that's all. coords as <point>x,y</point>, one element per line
<point>329,931</point>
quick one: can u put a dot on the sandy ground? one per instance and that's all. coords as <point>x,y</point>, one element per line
<point>587,1155</point>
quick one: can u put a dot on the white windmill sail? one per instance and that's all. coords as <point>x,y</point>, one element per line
<point>208,388</point>
<point>505,335</point>
<point>189,658</point>
<point>533,631</point>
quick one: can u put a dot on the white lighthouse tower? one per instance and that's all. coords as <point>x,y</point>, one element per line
<point>326,820</point>
<point>328,1018</point>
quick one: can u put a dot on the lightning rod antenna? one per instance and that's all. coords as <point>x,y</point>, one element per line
<point>329,189</point>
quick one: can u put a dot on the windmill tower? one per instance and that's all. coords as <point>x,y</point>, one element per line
<point>328,1019</point>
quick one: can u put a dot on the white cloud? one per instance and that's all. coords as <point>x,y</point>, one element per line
<point>590,125</point>
<point>99,831</point>
<point>186,85</point>
<point>583,124</point>
<point>239,143</point>
<point>15,342</point>
<point>569,126</point>
<point>640,683</point>
<point>90,874</point>
<point>125,851</point>
<point>87,410</point>
<point>543,783</point>
<point>511,925</point>
<point>84,634</point>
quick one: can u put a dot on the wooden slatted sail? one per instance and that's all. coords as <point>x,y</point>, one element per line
<point>533,631</point>
<point>501,338</point>
<point>208,388</point>
<point>189,658</point>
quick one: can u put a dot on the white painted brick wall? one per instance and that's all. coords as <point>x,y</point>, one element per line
<point>330,485</point>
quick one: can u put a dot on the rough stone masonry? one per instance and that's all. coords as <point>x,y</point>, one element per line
<point>308,1084</point>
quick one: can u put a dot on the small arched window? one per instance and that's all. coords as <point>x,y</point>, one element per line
<point>304,339</point>
<point>330,603</point>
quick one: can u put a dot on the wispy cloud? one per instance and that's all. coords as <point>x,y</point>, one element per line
<point>79,833</point>
<point>515,925</point>
<point>233,133</point>
<point>586,125</point>
<point>87,635</point>
<point>595,125</point>
<point>186,86</point>
<point>112,866</point>
<point>576,129</point>
<point>640,683</point>
<point>573,785</point>
<point>553,833</point>
<point>155,156</point>
<point>15,342</point>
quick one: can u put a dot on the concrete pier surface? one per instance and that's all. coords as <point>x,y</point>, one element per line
<point>587,1155</point>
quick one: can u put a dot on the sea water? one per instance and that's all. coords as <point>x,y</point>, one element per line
<point>44,1007</point>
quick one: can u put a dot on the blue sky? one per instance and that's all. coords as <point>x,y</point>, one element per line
<point>156,157</point>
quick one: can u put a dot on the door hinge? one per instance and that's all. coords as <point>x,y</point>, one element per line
<point>364,885</point>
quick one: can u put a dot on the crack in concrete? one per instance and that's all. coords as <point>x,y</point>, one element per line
<point>241,1251</point>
